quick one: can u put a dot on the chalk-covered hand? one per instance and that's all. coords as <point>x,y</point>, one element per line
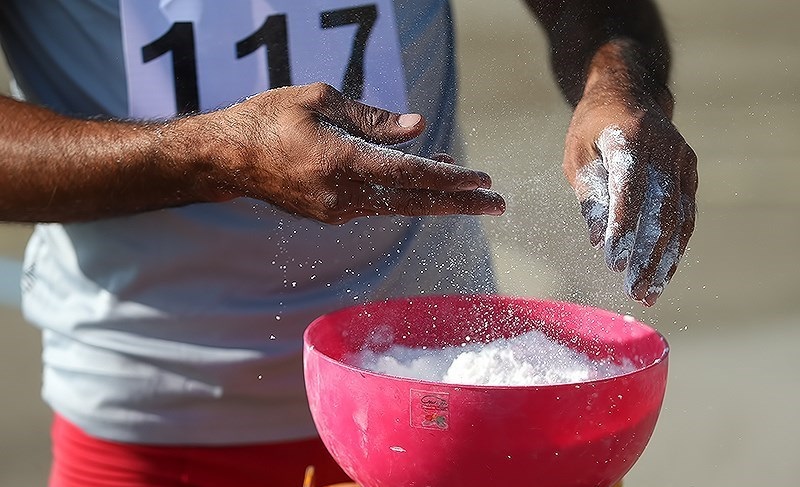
<point>636,178</point>
<point>318,154</point>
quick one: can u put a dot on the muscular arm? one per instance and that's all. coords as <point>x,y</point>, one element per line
<point>55,168</point>
<point>307,149</point>
<point>632,171</point>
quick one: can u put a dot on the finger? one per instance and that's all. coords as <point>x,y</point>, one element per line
<point>395,169</point>
<point>591,187</point>
<point>364,121</point>
<point>688,196</point>
<point>680,240</point>
<point>666,267</point>
<point>689,212</point>
<point>657,225</point>
<point>485,180</point>
<point>625,198</point>
<point>378,200</point>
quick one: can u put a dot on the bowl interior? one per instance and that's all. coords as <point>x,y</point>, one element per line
<point>440,321</point>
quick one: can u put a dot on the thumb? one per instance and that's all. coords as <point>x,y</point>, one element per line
<point>364,121</point>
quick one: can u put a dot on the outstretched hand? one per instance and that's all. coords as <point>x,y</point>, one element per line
<point>636,178</point>
<point>318,154</point>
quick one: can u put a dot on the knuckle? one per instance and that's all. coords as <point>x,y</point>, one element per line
<point>635,124</point>
<point>335,208</point>
<point>332,159</point>
<point>372,117</point>
<point>397,175</point>
<point>329,202</point>
<point>320,94</point>
<point>617,138</point>
<point>399,172</point>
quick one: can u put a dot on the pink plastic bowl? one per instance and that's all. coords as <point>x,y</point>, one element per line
<point>396,432</point>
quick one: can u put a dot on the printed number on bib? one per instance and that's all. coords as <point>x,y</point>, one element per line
<point>183,56</point>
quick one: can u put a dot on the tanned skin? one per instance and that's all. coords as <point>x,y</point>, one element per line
<point>611,60</point>
<point>313,152</point>
<point>307,149</point>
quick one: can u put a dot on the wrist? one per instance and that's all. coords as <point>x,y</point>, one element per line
<point>197,156</point>
<point>619,68</point>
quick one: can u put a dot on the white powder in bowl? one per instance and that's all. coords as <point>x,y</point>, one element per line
<point>525,360</point>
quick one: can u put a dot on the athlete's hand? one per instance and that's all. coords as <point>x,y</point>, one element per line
<point>318,154</point>
<point>636,178</point>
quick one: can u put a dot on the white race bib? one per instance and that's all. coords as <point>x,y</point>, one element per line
<point>183,56</point>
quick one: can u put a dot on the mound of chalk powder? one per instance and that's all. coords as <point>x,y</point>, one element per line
<point>525,360</point>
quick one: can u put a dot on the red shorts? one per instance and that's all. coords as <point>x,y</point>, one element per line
<point>82,461</point>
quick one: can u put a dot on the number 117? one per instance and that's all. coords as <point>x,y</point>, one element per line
<point>273,35</point>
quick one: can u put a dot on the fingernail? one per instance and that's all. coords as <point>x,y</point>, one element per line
<point>493,211</point>
<point>484,180</point>
<point>496,207</point>
<point>650,299</point>
<point>640,291</point>
<point>621,262</point>
<point>596,233</point>
<point>468,186</point>
<point>408,120</point>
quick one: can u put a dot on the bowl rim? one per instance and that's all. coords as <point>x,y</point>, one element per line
<point>660,361</point>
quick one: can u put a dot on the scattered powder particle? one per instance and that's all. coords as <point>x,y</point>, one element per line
<point>528,359</point>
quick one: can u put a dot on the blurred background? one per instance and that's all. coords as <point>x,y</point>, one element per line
<point>732,312</point>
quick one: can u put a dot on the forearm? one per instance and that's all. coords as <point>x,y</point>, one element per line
<point>612,43</point>
<point>59,169</point>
